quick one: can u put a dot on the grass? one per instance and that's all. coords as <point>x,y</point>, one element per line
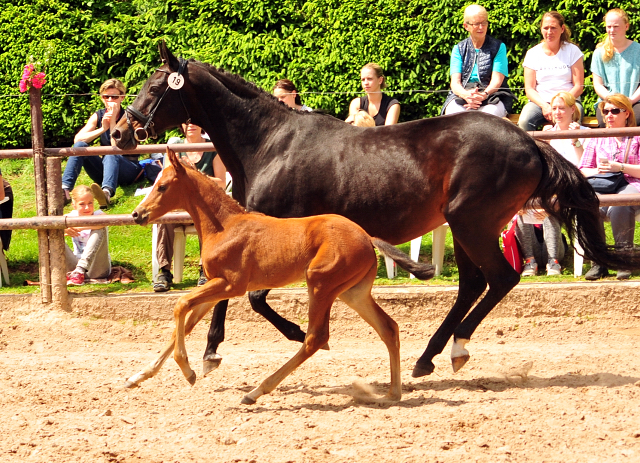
<point>130,246</point>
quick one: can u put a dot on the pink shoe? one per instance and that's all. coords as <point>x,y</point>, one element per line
<point>75,278</point>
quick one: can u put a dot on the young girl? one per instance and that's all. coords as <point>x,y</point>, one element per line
<point>90,256</point>
<point>384,109</point>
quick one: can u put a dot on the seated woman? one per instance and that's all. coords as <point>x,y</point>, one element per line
<point>107,171</point>
<point>551,250</point>
<point>615,154</point>
<point>90,256</point>
<point>479,70</point>
<point>552,66</point>
<point>616,63</point>
<point>384,109</point>
<point>285,91</point>
<point>209,163</point>
<point>6,210</point>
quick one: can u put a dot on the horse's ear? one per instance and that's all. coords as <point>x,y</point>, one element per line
<point>173,160</point>
<point>166,56</point>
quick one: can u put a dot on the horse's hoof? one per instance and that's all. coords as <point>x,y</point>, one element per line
<point>192,378</point>
<point>423,370</point>
<point>210,363</point>
<point>130,384</point>
<point>459,362</point>
<point>246,400</point>
<point>326,347</point>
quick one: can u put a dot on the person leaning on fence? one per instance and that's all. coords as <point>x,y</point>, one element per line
<point>285,91</point>
<point>106,171</point>
<point>210,164</point>
<point>479,70</point>
<point>602,155</point>
<point>552,248</point>
<point>616,63</point>
<point>552,66</point>
<point>384,109</point>
<point>90,256</point>
<point>6,210</point>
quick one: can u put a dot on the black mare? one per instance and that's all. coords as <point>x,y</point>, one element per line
<point>472,170</point>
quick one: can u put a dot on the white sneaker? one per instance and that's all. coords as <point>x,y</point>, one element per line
<point>553,267</point>
<point>530,268</point>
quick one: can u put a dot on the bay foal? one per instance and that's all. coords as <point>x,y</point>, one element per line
<point>246,251</point>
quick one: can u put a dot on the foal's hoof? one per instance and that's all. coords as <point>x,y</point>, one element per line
<point>130,385</point>
<point>459,362</point>
<point>246,400</point>
<point>326,347</point>
<point>423,370</point>
<point>210,363</point>
<point>192,378</point>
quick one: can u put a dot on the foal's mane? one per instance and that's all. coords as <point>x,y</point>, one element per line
<point>241,87</point>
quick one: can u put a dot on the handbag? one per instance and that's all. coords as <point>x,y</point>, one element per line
<point>511,249</point>
<point>610,182</point>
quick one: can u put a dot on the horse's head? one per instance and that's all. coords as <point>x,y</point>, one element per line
<point>164,89</point>
<point>166,195</point>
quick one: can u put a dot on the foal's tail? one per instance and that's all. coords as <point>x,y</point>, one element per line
<point>420,270</point>
<point>565,193</point>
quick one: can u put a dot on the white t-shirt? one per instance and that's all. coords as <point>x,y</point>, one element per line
<point>553,73</point>
<point>566,149</point>
<point>80,242</point>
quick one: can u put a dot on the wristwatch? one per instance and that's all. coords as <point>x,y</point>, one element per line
<point>576,143</point>
<point>621,167</point>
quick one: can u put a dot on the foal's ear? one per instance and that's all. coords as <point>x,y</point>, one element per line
<point>166,56</point>
<point>173,160</point>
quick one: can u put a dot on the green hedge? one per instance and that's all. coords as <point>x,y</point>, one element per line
<point>319,44</point>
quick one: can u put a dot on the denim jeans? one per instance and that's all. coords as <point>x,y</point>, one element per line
<point>623,218</point>
<point>531,116</point>
<point>107,171</point>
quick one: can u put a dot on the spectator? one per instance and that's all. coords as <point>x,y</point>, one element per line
<point>616,63</point>
<point>285,91</point>
<point>479,70</point>
<point>6,210</point>
<point>106,171</point>
<point>90,256</point>
<point>552,66</point>
<point>209,163</point>
<point>361,119</point>
<point>615,154</point>
<point>552,248</point>
<point>384,109</point>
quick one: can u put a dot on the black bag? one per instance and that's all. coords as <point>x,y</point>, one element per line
<point>610,182</point>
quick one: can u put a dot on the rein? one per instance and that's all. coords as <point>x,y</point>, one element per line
<point>148,130</point>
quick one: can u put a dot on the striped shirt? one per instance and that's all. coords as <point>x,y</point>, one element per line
<point>600,147</point>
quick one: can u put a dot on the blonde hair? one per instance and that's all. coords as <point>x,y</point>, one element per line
<point>622,102</point>
<point>379,72</point>
<point>81,190</point>
<point>113,83</point>
<point>566,35</point>
<point>362,119</point>
<point>570,101</point>
<point>474,10</point>
<point>607,45</point>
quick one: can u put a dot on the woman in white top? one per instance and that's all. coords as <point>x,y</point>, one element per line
<point>554,65</point>
<point>566,116</point>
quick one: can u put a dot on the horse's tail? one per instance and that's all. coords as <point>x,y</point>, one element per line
<point>420,270</point>
<point>565,193</point>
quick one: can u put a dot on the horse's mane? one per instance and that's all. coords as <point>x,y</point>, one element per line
<point>241,87</point>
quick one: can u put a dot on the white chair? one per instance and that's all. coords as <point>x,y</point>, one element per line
<point>437,252</point>
<point>3,265</point>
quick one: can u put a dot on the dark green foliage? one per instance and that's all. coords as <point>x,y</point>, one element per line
<point>319,44</point>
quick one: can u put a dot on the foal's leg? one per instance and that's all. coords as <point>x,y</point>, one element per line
<point>212,359</point>
<point>472,284</point>
<point>359,299</point>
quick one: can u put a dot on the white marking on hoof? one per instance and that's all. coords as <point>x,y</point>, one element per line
<point>211,363</point>
<point>459,355</point>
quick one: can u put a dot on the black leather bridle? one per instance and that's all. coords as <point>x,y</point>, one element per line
<point>148,130</point>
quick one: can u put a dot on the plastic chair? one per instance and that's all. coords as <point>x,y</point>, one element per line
<point>3,265</point>
<point>437,252</point>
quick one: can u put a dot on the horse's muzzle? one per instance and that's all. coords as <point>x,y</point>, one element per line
<point>140,216</point>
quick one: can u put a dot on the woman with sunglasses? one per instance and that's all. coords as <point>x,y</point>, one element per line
<point>615,154</point>
<point>552,66</point>
<point>106,171</point>
<point>616,63</point>
<point>479,70</point>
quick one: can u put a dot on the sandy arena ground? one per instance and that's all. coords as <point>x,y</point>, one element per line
<point>562,388</point>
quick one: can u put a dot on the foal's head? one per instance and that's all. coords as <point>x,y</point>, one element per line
<point>168,193</point>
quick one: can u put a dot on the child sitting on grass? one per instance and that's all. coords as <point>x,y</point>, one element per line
<point>90,256</point>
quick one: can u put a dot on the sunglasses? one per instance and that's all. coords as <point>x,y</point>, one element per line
<point>111,97</point>
<point>614,111</point>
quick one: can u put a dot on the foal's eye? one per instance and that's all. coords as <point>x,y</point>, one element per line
<point>162,188</point>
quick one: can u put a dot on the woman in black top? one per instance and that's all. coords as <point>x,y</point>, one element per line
<point>384,109</point>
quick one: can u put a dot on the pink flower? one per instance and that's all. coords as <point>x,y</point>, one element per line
<point>38,80</point>
<point>23,86</point>
<point>29,80</point>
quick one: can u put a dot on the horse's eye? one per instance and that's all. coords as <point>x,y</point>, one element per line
<point>162,188</point>
<point>154,89</point>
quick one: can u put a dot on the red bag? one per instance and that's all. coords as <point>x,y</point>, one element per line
<point>511,249</point>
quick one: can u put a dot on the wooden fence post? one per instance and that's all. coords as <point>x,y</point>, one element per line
<point>37,142</point>
<point>55,203</point>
